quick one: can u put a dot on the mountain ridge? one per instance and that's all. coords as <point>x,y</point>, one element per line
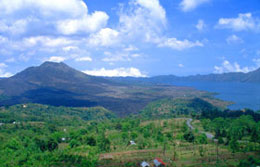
<point>58,84</point>
<point>250,77</point>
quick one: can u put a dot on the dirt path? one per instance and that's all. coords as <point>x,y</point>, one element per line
<point>112,155</point>
<point>209,135</point>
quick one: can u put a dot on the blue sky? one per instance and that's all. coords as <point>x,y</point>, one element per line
<point>131,37</point>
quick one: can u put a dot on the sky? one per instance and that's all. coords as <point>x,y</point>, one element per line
<point>138,38</point>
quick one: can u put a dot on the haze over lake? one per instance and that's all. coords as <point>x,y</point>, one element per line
<point>244,95</point>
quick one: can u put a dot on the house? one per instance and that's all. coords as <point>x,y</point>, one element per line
<point>131,142</point>
<point>158,163</point>
<point>145,164</point>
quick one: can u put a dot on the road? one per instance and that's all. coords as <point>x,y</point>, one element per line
<point>209,135</point>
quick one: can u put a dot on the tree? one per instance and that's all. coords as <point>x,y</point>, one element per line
<point>250,161</point>
<point>165,124</point>
<point>189,136</point>
<point>14,144</point>
<point>220,140</point>
<point>90,140</point>
<point>74,143</point>
<point>234,146</point>
<point>141,143</point>
<point>201,151</point>
<point>52,144</point>
<point>40,143</point>
<point>124,136</point>
<point>134,135</point>
<point>104,144</point>
<point>202,139</point>
<point>118,126</point>
<point>175,155</point>
<point>91,159</point>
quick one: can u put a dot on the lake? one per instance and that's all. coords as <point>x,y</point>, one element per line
<point>244,95</point>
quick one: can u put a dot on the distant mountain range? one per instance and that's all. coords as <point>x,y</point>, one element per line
<point>58,84</point>
<point>251,77</point>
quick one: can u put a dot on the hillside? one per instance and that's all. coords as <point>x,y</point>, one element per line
<point>40,135</point>
<point>58,84</point>
<point>167,108</point>
<point>55,115</point>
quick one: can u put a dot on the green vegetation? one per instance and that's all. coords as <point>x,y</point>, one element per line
<point>41,136</point>
<point>50,114</point>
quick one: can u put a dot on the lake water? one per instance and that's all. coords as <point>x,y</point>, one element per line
<point>244,95</point>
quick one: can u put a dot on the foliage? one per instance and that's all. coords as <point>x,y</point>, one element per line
<point>189,136</point>
<point>175,107</point>
<point>52,115</point>
<point>249,162</point>
<point>58,136</point>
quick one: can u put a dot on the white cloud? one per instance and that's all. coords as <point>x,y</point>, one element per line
<point>80,59</point>
<point>87,24</point>
<point>10,60</point>
<point>188,5</point>
<point>45,7</point>
<point>141,25</point>
<point>257,62</point>
<point>242,22</point>
<point>105,37</point>
<point>118,72</point>
<point>59,30</point>
<point>135,55</point>
<point>57,59</point>
<point>69,48</point>
<point>157,11</point>
<point>120,56</point>
<point>51,16</point>
<point>3,73</point>
<point>200,25</point>
<point>181,65</point>
<point>131,48</point>
<point>3,39</point>
<point>235,67</point>
<point>173,43</point>
<point>233,39</point>
<point>15,28</point>
<point>3,65</point>
<point>47,41</point>
<point>142,20</point>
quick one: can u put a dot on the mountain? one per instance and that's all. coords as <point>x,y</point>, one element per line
<point>58,84</point>
<point>49,75</point>
<point>250,77</point>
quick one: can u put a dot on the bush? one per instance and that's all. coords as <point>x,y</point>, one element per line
<point>74,143</point>
<point>202,139</point>
<point>189,136</point>
<point>250,162</point>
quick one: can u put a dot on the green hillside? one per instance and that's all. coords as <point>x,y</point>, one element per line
<point>34,135</point>
<point>166,108</point>
<point>57,115</point>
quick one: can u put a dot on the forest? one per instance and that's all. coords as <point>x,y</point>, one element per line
<point>41,135</point>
